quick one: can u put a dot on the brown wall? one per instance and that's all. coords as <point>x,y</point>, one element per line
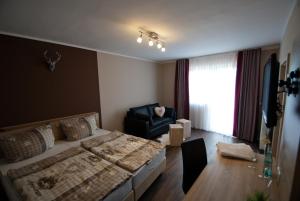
<point>30,92</point>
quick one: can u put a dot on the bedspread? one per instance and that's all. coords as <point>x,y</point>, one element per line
<point>127,151</point>
<point>75,174</point>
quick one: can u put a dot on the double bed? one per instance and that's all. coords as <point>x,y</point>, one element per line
<point>99,174</point>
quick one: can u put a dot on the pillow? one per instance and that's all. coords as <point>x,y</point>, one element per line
<point>160,111</point>
<point>47,134</point>
<point>91,120</point>
<point>75,129</point>
<point>24,144</point>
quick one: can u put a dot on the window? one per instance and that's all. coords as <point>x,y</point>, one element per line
<point>212,92</point>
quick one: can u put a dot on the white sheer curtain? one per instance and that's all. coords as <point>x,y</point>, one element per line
<point>212,91</point>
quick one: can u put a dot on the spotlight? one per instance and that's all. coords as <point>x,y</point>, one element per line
<point>150,43</point>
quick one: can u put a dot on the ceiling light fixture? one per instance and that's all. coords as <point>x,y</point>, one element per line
<point>153,38</point>
<point>150,43</point>
<point>140,38</point>
<point>158,45</point>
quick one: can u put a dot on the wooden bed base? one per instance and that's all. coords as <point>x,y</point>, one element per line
<point>139,190</point>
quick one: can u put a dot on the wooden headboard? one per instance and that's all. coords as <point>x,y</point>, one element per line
<point>55,123</point>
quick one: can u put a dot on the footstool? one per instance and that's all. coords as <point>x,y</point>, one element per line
<point>176,134</point>
<point>186,124</point>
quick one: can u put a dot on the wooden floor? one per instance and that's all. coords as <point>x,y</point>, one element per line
<point>167,187</point>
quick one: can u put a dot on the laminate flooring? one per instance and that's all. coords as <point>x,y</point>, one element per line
<point>167,187</point>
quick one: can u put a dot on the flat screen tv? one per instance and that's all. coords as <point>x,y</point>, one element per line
<point>270,87</point>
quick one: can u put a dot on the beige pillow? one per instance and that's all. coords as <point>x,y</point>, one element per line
<point>47,134</point>
<point>160,111</point>
<point>21,145</point>
<point>91,120</point>
<point>75,129</point>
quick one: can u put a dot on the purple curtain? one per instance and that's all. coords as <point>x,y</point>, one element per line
<point>237,93</point>
<point>247,94</point>
<point>181,98</point>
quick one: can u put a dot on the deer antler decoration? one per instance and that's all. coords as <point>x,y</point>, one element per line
<point>51,62</point>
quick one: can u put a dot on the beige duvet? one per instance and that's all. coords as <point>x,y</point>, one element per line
<point>127,151</point>
<point>75,174</point>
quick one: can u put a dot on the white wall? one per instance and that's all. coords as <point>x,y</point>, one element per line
<point>125,83</point>
<point>289,148</point>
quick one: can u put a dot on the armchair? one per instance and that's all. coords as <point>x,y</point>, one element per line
<point>143,122</point>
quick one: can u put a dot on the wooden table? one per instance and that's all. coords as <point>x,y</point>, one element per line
<point>175,134</point>
<point>186,124</point>
<point>225,179</point>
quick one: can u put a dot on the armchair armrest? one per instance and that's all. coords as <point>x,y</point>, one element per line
<point>170,112</point>
<point>137,127</point>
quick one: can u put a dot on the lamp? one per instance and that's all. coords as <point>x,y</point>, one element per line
<point>150,43</point>
<point>159,45</point>
<point>153,38</point>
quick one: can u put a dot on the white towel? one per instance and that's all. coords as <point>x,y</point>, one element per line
<point>237,150</point>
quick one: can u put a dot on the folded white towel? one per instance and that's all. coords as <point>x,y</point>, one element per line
<point>237,150</point>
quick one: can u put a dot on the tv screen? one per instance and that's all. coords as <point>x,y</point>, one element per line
<point>270,85</point>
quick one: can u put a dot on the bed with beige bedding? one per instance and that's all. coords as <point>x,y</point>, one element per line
<point>124,175</point>
<point>145,159</point>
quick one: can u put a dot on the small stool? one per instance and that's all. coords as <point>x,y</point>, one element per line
<point>186,124</point>
<point>176,134</point>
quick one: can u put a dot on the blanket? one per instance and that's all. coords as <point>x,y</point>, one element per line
<point>237,150</point>
<point>127,151</point>
<point>75,174</point>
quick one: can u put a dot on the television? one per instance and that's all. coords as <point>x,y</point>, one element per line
<point>270,87</point>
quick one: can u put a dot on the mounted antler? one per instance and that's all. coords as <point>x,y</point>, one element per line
<point>51,63</point>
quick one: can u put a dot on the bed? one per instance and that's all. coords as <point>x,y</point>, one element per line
<point>74,174</point>
<point>145,159</point>
<point>129,189</point>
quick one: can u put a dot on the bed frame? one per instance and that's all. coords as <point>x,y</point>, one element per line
<point>55,123</point>
<point>58,134</point>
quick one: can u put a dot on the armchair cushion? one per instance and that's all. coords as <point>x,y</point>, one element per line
<point>142,116</point>
<point>159,121</point>
<point>140,110</point>
<point>170,112</point>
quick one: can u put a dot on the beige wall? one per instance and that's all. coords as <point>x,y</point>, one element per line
<point>125,83</point>
<point>289,148</point>
<point>167,83</point>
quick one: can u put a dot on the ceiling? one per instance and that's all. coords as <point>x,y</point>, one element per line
<point>189,27</point>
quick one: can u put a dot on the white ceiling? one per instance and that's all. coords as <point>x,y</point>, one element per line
<point>189,27</point>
